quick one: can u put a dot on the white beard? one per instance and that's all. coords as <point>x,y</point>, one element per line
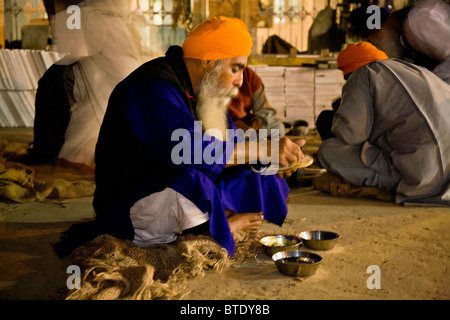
<point>212,104</point>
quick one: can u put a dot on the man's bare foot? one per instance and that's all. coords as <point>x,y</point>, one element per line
<point>246,222</point>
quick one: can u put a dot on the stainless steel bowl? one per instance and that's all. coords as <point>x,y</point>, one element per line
<point>297,263</point>
<point>319,240</point>
<point>274,244</point>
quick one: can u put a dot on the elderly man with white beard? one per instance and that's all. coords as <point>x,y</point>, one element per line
<point>146,195</point>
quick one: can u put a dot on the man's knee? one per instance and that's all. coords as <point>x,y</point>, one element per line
<point>327,152</point>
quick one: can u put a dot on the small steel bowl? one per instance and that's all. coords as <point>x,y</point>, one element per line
<point>297,263</point>
<point>319,240</point>
<point>274,244</point>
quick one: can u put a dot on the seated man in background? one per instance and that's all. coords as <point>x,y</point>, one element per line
<point>391,128</point>
<point>250,109</point>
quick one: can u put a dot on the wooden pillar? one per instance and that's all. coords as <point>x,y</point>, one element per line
<point>2,25</point>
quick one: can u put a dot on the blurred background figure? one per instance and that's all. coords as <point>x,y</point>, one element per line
<point>418,33</point>
<point>426,36</point>
<point>101,48</point>
<point>102,53</point>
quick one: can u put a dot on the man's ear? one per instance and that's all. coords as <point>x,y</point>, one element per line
<point>207,64</point>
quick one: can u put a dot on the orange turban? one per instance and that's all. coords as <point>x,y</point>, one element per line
<point>357,55</point>
<point>218,38</point>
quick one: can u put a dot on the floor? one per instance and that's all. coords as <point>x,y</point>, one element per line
<point>409,245</point>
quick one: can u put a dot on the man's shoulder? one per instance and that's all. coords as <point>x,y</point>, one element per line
<point>379,68</point>
<point>156,68</point>
<point>156,71</point>
<point>404,69</point>
<point>394,62</point>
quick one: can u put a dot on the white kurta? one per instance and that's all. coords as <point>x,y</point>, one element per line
<point>392,132</point>
<point>105,52</point>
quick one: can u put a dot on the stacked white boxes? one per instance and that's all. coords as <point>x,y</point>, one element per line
<point>300,94</point>
<point>20,71</point>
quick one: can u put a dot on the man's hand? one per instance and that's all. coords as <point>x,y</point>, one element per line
<point>289,152</point>
<point>256,124</point>
<point>241,125</point>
